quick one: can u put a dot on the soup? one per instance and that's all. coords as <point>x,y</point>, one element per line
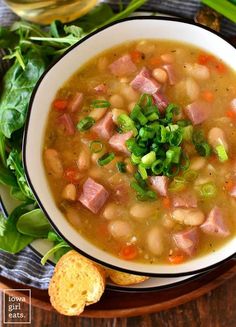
<point>140,150</point>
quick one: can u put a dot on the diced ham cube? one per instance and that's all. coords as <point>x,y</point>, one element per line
<point>101,88</point>
<point>171,73</point>
<point>105,127</point>
<point>233,191</point>
<point>117,141</point>
<point>215,224</point>
<point>184,200</point>
<point>76,102</point>
<point>123,66</point>
<point>93,196</point>
<point>144,83</point>
<point>160,184</point>
<point>197,112</point>
<point>187,240</point>
<point>160,100</point>
<point>67,123</point>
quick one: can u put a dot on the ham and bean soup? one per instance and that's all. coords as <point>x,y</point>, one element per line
<point>140,151</point>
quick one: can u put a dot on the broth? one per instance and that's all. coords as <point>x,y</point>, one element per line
<point>186,215</point>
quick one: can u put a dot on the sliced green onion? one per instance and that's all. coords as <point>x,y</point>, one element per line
<point>100,104</point>
<point>203,149</point>
<point>142,194</point>
<point>157,167</point>
<point>188,133</point>
<point>162,134</point>
<point>126,124</point>
<point>171,110</point>
<point>145,100</point>
<point>106,159</point>
<point>172,127</point>
<point>190,175</point>
<point>96,146</point>
<point>85,123</point>
<point>221,153</point>
<point>149,158</point>
<point>140,181</point>
<point>198,137</point>
<point>185,161</point>
<point>173,154</point>
<point>184,123</point>
<point>142,172</point>
<point>176,137</point>
<point>146,133</point>
<point>177,185</point>
<point>135,159</point>
<point>137,115</point>
<point>121,166</point>
<point>208,190</point>
<point>154,116</point>
<point>138,150</point>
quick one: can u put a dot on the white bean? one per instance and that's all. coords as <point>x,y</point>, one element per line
<point>53,163</point>
<point>142,210</point>
<point>83,161</point>
<point>129,93</point>
<point>73,217</point>
<point>192,217</point>
<point>192,89</point>
<point>168,58</point>
<point>116,101</point>
<point>216,137</point>
<point>197,71</point>
<point>120,229</point>
<point>197,163</point>
<point>146,47</point>
<point>160,75</point>
<point>69,192</point>
<point>155,241</point>
<point>112,211</point>
<point>167,221</point>
<point>97,113</point>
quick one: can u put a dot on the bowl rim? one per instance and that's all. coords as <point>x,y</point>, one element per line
<point>24,147</point>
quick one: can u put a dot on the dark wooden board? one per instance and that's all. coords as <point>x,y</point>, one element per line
<point>125,304</point>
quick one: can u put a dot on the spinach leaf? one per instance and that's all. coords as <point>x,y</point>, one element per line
<point>34,223</point>
<point>54,250</point>
<point>7,177</point>
<point>8,39</point>
<point>16,193</point>
<point>18,85</point>
<point>3,149</point>
<point>15,164</point>
<point>10,239</point>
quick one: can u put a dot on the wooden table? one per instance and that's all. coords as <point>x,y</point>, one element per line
<point>215,309</point>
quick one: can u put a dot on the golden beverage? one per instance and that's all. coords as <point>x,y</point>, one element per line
<point>46,11</point>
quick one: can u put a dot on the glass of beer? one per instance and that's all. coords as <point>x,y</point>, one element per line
<point>46,11</point>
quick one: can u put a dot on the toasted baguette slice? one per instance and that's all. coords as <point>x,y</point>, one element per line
<point>124,279</point>
<point>76,283</point>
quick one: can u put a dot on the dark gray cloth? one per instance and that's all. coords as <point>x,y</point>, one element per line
<point>25,266</point>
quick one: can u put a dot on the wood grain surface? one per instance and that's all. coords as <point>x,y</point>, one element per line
<point>215,309</point>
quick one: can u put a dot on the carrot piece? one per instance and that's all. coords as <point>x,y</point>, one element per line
<point>136,56</point>
<point>220,67</point>
<point>72,175</point>
<point>128,252</point>
<point>229,185</point>
<point>204,59</point>
<point>154,61</point>
<point>60,104</point>
<point>231,114</point>
<point>176,258</point>
<point>208,96</point>
<point>166,203</point>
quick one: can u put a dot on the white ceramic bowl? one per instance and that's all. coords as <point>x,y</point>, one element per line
<point>130,29</point>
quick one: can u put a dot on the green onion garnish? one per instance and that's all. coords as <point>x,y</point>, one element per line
<point>85,124</point>
<point>142,172</point>
<point>208,190</point>
<point>146,133</point>
<point>121,166</point>
<point>149,158</point>
<point>106,159</point>
<point>157,167</point>
<point>177,185</point>
<point>96,146</point>
<point>221,153</point>
<point>137,115</point>
<point>188,133</point>
<point>145,100</point>
<point>135,159</point>
<point>173,154</point>
<point>143,194</point>
<point>203,149</point>
<point>100,104</point>
<point>126,124</point>
<point>190,175</point>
